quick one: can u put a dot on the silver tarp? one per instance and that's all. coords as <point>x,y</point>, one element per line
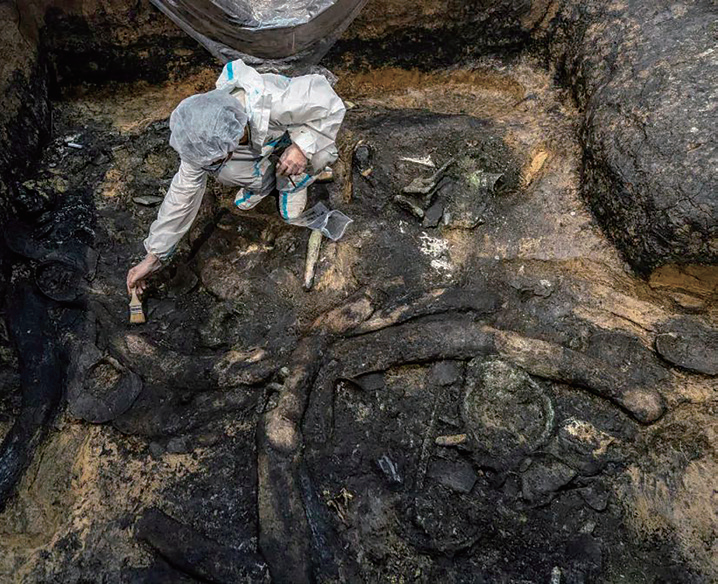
<point>276,33</point>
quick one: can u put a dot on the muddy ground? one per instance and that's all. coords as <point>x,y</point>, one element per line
<point>500,401</point>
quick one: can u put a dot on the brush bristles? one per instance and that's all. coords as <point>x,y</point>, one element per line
<point>137,315</point>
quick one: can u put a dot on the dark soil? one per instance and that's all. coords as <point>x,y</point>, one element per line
<point>475,389</point>
<point>546,493</point>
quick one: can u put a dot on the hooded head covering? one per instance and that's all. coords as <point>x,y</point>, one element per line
<point>206,127</point>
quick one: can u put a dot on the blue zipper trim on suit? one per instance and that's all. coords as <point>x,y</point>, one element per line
<point>285,195</point>
<point>247,195</point>
<point>230,73</point>
<point>302,182</point>
<point>285,213</point>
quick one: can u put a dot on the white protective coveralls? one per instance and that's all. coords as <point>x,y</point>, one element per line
<point>303,110</point>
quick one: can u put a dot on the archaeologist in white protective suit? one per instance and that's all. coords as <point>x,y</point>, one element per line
<point>253,131</point>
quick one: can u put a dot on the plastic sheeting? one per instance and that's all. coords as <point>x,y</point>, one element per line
<point>278,34</point>
<point>332,224</point>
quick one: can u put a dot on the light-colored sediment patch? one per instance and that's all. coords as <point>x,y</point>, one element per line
<point>335,269</point>
<point>672,494</point>
<point>81,483</point>
<point>536,163</point>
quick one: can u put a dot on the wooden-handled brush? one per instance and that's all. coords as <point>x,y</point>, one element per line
<point>137,315</point>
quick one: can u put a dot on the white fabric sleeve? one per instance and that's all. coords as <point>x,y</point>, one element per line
<point>311,111</point>
<point>178,210</point>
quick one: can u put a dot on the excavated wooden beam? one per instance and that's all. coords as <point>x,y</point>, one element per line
<point>320,360</point>
<point>417,342</point>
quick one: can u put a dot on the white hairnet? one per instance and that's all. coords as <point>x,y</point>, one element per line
<point>207,127</point>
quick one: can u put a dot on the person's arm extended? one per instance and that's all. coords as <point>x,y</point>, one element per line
<point>176,215</point>
<point>311,111</point>
<point>177,212</point>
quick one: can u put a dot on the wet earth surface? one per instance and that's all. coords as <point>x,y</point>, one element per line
<point>475,389</point>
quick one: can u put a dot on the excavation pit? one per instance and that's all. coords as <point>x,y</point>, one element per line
<point>285,435</point>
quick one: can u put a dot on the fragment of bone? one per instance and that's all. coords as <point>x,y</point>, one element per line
<point>313,247</point>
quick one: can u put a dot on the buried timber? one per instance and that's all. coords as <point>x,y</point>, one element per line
<point>473,390</point>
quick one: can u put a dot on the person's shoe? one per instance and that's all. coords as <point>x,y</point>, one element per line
<point>291,205</point>
<point>245,200</point>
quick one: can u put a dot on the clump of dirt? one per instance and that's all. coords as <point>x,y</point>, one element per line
<point>670,493</point>
<point>102,376</point>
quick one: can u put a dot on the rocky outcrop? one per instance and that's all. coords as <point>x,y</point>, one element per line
<point>644,73</point>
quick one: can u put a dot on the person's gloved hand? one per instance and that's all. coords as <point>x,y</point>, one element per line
<point>136,277</point>
<point>292,161</point>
